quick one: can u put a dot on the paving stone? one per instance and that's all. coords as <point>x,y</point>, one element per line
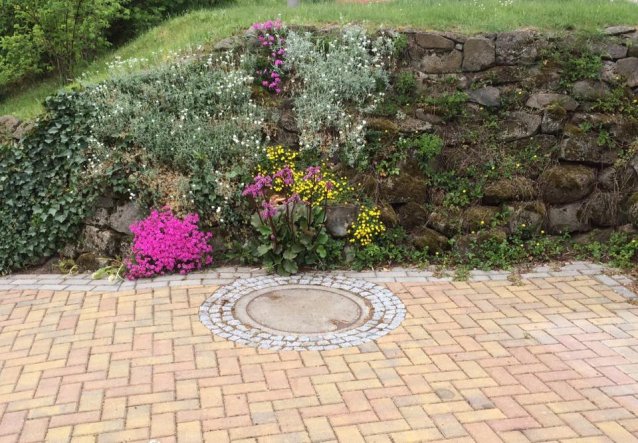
<point>135,371</point>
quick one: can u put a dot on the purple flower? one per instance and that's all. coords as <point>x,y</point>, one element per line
<point>286,175</point>
<point>269,210</point>
<point>313,172</point>
<point>256,188</point>
<point>294,198</point>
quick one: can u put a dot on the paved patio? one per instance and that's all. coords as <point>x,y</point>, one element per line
<point>547,358</point>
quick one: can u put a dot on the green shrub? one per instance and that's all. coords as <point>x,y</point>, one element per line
<point>392,248</point>
<point>52,36</point>
<point>46,190</point>
<point>405,84</point>
<point>448,106</point>
<point>427,148</point>
<point>621,250</point>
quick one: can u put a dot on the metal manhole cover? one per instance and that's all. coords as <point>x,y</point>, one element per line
<point>302,312</point>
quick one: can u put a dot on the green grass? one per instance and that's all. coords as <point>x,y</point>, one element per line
<point>204,27</point>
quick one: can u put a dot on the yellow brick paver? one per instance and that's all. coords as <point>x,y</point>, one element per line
<point>553,359</point>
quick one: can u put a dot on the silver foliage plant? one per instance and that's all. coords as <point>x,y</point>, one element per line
<point>337,81</point>
<point>190,117</point>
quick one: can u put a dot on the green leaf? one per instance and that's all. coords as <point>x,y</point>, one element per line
<point>289,254</point>
<point>321,251</point>
<point>263,250</point>
<point>290,267</point>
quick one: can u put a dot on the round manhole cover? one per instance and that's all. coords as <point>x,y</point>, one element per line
<point>302,312</point>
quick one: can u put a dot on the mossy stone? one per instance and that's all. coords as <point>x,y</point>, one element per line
<point>88,262</point>
<point>428,238</point>
<point>527,218</point>
<point>412,215</point>
<point>445,220</point>
<point>383,125</point>
<point>567,183</point>
<point>478,217</point>
<point>388,216</point>
<point>404,188</point>
<point>509,189</point>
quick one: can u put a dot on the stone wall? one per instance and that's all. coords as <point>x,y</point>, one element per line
<point>590,179</point>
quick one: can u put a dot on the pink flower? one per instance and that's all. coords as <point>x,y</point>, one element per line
<point>286,175</point>
<point>163,243</point>
<point>256,188</point>
<point>269,210</point>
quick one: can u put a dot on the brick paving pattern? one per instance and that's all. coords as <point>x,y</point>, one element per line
<point>551,358</point>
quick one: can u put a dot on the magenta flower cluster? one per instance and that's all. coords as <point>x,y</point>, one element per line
<point>163,243</point>
<point>270,37</point>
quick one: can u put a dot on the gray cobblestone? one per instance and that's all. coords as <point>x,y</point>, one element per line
<point>81,288</point>
<point>606,280</point>
<point>107,288</point>
<point>567,273</point>
<point>624,291</point>
<point>178,283</point>
<point>226,275</point>
<point>168,278</point>
<point>145,285</point>
<point>51,287</point>
<point>420,273</point>
<point>531,275</point>
<point>25,281</point>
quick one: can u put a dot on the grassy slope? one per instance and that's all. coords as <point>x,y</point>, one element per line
<point>201,27</point>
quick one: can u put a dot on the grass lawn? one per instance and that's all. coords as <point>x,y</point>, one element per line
<point>187,32</point>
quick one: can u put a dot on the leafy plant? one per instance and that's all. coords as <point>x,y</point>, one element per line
<point>621,250</point>
<point>391,248</point>
<point>45,189</point>
<point>618,101</point>
<point>112,273</point>
<point>290,217</point>
<point>53,35</point>
<point>405,86</point>
<point>448,106</point>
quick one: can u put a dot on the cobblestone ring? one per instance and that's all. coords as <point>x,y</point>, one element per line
<point>303,312</point>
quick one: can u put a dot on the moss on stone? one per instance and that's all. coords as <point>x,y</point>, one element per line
<point>412,215</point>
<point>509,189</point>
<point>478,217</point>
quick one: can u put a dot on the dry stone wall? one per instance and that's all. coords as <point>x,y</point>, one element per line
<point>519,94</point>
<point>589,136</point>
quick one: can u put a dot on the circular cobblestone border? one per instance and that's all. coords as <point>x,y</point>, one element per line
<point>217,314</point>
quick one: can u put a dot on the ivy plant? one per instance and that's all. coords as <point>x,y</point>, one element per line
<point>45,191</point>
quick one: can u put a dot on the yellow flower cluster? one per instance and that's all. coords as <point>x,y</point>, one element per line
<point>318,189</point>
<point>279,157</point>
<point>367,226</point>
